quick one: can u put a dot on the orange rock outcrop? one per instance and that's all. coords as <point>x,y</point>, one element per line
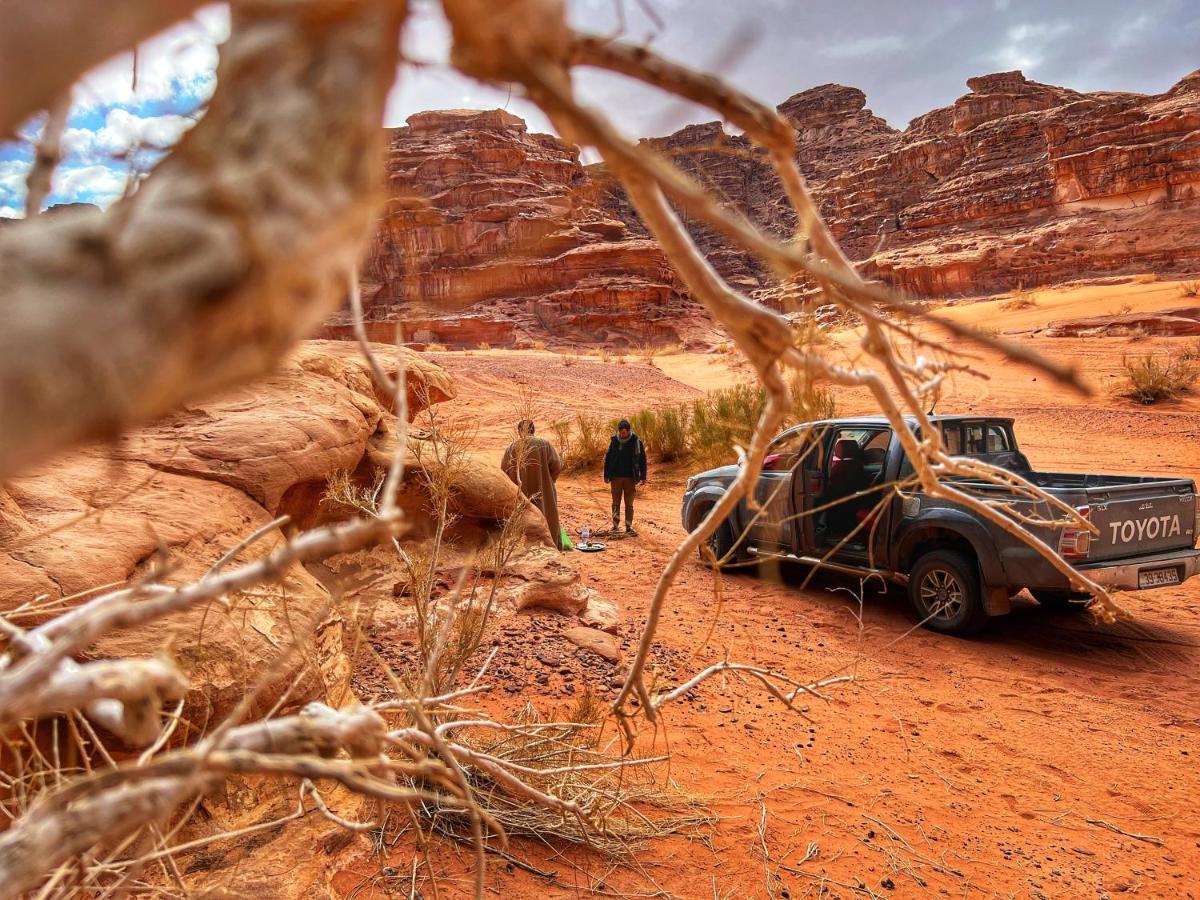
<point>493,235</point>
<point>1014,183</point>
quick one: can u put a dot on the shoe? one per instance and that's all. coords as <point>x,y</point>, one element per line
<point>629,531</point>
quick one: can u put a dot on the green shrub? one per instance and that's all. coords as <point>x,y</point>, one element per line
<point>581,441</point>
<point>704,431</point>
<point>1150,378</point>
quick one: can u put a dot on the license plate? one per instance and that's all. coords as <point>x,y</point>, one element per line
<point>1151,578</point>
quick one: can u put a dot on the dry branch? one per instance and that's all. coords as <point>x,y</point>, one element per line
<point>233,249</point>
<point>46,47</point>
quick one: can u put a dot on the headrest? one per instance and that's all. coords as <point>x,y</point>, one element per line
<point>846,449</point>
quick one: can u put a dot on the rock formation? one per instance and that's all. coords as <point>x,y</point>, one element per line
<point>172,498</point>
<point>498,236</point>
<point>1179,322</point>
<point>1014,183</point>
<point>493,235</point>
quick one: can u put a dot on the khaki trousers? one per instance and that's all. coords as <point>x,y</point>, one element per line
<point>622,488</point>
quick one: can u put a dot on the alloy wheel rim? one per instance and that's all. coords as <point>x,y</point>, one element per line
<point>942,594</point>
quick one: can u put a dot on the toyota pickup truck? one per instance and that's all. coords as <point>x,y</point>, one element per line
<point>837,494</point>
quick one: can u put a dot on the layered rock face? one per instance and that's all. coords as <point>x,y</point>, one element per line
<point>493,235</point>
<point>1015,183</point>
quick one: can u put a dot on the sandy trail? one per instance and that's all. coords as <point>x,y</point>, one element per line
<point>1007,765</point>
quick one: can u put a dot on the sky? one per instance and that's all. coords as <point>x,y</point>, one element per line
<point>909,57</point>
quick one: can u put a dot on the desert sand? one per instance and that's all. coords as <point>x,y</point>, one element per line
<point>1051,757</point>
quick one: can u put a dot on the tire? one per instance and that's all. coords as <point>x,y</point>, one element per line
<point>1062,601</point>
<point>952,577</point>
<point>721,543</point>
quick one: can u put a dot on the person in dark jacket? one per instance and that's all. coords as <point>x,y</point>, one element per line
<point>624,469</point>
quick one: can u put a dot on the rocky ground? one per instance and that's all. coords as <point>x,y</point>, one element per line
<point>1052,757</point>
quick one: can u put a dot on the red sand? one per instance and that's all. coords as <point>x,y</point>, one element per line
<point>1003,766</point>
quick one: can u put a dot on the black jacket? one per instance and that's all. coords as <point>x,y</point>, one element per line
<point>626,460</point>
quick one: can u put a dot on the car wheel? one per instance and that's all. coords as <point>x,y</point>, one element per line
<point>723,546</point>
<point>944,591</point>
<point>1062,601</point>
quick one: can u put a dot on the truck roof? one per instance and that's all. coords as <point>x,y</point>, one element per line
<point>910,419</point>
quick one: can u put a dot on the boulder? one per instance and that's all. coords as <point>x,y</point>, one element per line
<point>591,640</point>
<point>601,613</point>
<point>172,498</point>
<point>1179,322</point>
<point>541,579</point>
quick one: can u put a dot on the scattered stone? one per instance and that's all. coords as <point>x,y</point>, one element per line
<point>598,642</point>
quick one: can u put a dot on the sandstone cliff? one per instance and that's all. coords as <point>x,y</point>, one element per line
<point>1014,183</point>
<point>494,235</point>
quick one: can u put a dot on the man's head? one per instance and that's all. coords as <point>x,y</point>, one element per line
<point>624,429</point>
<point>525,426</point>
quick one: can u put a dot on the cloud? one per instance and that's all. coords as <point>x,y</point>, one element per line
<point>11,212</point>
<point>1028,42</point>
<point>124,131</point>
<point>93,184</point>
<point>177,67</point>
<point>878,45</point>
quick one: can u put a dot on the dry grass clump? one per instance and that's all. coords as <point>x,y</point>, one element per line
<point>1020,299</point>
<point>484,345</point>
<point>1149,379</point>
<point>1145,278</point>
<point>435,348</point>
<point>1190,289</point>
<point>539,345</point>
<point>564,759</point>
<point>1191,353</point>
<point>581,441</point>
<point>705,431</point>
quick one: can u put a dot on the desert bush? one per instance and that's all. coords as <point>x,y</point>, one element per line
<point>1149,379</point>
<point>1020,299</point>
<point>1124,309</point>
<point>435,348</point>
<point>581,441</point>
<point>664,432</point>
<point>1190,289</point>
<point>539,345</point>
<point>484,345</point>
<point>705,431</point>
<point>567,359</point>
<point>1146,278</point>
<point>1191,353</point>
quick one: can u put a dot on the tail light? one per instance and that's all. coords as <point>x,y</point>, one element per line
<point>1076,542</point>
<point>1196,520</point>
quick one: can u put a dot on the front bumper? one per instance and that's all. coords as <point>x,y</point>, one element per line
<point>1124,575</point>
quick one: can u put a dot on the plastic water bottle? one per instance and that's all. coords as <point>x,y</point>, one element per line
<point>586,534</point>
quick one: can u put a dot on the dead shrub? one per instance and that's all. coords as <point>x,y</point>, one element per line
<point>1020,299</point>
<point>1191,353</point>
<point>1150,378</point>
<point>1190,289</point>
<point>581,441</point>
